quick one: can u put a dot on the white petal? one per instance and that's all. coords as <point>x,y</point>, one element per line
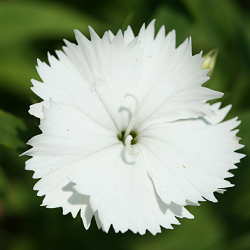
<point>103,73</point>
<point>60,145</point>
<point>171,79</point>
<point>176,93</point>
<point>123,194</point>
<point>111,35</point>
<point>68,91</point>
<point>146,37</point>
<point>128,36</point>
<point>57,189</point>
<point>189,159</point>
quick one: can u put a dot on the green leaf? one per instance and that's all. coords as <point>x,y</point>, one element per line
<point>14,132</point>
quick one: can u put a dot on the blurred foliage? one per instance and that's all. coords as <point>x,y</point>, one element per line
<point>31,28</point>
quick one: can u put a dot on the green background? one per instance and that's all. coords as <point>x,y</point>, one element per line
<point>28,29</point>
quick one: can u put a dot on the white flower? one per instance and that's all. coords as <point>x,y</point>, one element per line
<point>127,135</point>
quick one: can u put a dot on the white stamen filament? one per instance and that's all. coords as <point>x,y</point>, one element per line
<point>128,140</point>
<point>127,135</point>
<point>132,122</point>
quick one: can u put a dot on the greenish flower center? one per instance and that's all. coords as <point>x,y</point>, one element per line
<point>122,137</point>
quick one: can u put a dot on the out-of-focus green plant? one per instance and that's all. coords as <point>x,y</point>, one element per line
<point>31,28</point>
<point>25,26</point>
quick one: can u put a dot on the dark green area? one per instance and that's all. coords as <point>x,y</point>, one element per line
<point>31,28</point>
<point>122,138</point>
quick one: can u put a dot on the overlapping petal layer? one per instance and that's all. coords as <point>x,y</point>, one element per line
<point>150,69</point>
<point>184,151</point>
<point>123,194</point>
<point>189,159</point>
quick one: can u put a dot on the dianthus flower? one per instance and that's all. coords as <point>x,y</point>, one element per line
<point>127,133</point>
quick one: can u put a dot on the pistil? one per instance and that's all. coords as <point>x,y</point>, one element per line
<point>127,136</point>
<point>133,119</point>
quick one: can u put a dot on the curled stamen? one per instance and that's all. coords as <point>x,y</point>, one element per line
<point>132,122</point>
<point>127,136</point>
<point>128,141</point>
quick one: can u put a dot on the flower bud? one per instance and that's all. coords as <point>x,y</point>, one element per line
<point>210,60</point>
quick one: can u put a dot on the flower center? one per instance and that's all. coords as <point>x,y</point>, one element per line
<point>128,136</point>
